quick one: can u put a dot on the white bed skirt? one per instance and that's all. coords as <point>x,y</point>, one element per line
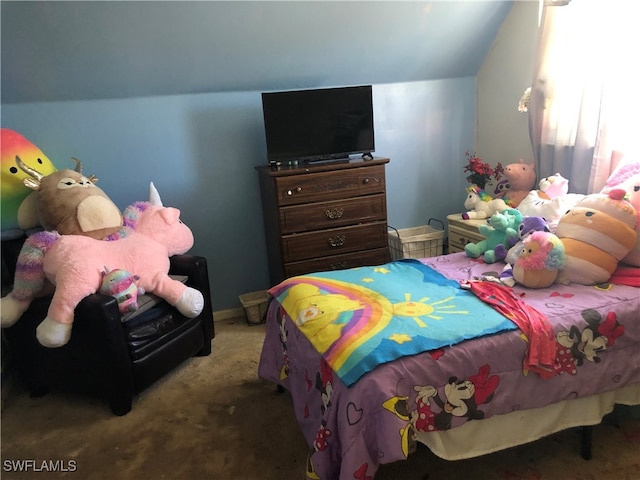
<point>499,432</point>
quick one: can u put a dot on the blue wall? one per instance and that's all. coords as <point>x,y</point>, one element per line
<point>200,151</point>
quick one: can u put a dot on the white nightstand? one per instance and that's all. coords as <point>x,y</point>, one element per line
<point>463,231</point>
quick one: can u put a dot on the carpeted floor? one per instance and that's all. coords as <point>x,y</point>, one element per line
<point>213,418</point>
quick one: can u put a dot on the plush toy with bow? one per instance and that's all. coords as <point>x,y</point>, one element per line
<point>74,264</point>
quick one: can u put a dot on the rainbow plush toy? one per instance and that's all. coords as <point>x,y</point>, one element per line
<point>597,233</point>
<point>18,204</point>
<point>539,261</point>
<point>121,285</point>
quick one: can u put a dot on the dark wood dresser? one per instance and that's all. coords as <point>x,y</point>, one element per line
<point>324,217</point>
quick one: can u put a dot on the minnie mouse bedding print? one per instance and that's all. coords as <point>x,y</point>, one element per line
<point>352,430</point>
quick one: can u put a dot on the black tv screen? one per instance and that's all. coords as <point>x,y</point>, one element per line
<point>318,124</point>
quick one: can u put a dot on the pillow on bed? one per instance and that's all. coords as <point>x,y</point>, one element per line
<point>597,233</point>
<point>627,177</point>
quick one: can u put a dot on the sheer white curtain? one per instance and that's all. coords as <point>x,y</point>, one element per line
<point>584,104</point>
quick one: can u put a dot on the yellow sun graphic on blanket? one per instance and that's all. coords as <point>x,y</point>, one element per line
<point>421,308</point>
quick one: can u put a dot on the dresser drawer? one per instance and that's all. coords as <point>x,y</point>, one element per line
<point>378,256</point>
<point>459,237</point>
<point>320,217</point>
<point>317,216</point>
<point>334,241</point>
<point>333,185</point>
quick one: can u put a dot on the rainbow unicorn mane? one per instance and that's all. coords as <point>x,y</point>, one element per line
<point>482,195</point>
<point>130,218</point>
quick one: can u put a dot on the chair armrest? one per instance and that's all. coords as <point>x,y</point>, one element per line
<point>97,321</point>
<point>185,264</point>
<point>98,305</point>
<point>98,327</point>
<point>196,269</point>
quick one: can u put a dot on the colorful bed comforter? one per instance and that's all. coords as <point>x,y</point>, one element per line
<point>360,318</point>
<point>356,416</point>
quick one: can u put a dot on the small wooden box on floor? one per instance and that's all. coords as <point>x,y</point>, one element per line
<point>463,231</point>
<point>324,216</point>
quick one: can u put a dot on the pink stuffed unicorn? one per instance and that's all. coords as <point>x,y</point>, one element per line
<point>74,264</point>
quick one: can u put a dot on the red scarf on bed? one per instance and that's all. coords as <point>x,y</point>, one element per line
<point>626,276</point>
<point>542,344</point>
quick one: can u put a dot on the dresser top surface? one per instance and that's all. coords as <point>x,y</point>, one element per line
<point>286,170</point>
<point>456,219</point>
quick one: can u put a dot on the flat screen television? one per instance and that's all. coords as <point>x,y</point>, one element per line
<point>319,124</point>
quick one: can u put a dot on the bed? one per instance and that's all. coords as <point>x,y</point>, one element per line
<point>366,385</point>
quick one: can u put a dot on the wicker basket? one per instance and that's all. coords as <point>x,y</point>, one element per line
<point>417,242</point>
<point>255,306</point>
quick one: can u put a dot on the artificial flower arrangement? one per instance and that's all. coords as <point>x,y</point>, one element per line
<point>523,104</point>
<point>481,172</point>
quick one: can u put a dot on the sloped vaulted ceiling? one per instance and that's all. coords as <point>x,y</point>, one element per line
<point>58,51</point>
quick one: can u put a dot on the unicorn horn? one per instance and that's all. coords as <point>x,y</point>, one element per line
<point>154,196</point>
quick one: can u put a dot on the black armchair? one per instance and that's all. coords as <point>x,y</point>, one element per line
<point>106,356</point>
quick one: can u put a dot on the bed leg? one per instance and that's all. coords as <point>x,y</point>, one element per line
<point>585,437</point>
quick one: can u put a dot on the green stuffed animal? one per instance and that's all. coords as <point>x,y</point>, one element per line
<point>502,228</point>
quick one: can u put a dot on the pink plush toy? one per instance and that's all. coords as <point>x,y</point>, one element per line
<point>627,177</point>
<point>522,179</point>
<point>74,264</point>
<point>553,186</point>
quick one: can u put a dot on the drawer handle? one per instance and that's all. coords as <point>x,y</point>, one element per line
<point>337,241</point>
<point>367,180</point>
<point>334,213</point>
<point>295,190</point>
<point>339,266</point>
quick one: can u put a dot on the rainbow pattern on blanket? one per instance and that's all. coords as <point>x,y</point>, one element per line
<point>362,317</point>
